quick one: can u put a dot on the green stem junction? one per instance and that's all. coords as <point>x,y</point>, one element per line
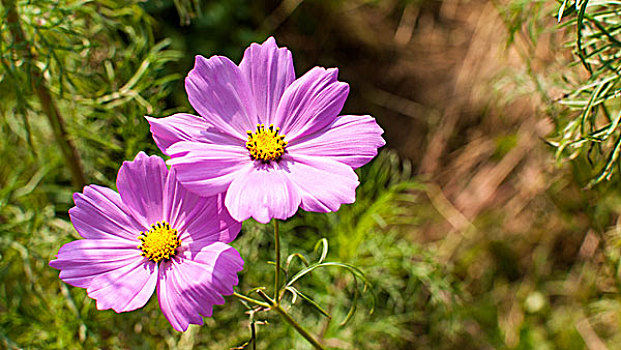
<point>274,304</point>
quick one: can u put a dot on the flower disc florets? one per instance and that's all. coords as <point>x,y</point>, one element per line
<point>265,144</point>
<point>160,242</point>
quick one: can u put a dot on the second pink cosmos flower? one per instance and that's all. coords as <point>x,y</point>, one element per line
<point>272,142</point>
<point>151,235</point>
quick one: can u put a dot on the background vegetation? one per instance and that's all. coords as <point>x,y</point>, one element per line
<point>490,219</point>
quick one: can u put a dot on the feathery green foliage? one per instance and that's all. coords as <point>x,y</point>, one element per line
<point>592,128</point>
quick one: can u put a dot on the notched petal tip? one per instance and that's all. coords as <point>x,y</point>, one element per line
<point>55,264</point>
<point>142,156</point>
<point>270,43</point>
<point>331,73</point>
<point>199,58</point>
<point>76,196</point>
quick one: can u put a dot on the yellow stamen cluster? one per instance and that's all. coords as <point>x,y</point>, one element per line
<point>159,243</point>
<point>265,144</point>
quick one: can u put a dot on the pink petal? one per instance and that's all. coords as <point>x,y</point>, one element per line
<point>197,219</point>
<point>126,288</point>
<point>188,287</point>
<point>269,70</point>
<point>185,127</point>
<point>311,103</point>
<point>99,214</point>
<point>175,128</point>
<point>207,169</point>
<point>262,191</point>
<point>324,184</point>
<point>350,139</point>
<point>83,260</point>
<point>221,260</point>
<point>220,93</point>
<point>141,186</point>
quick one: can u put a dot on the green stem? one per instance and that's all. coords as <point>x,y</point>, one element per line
<point>277,274</point>
<point>251,300</point>
<point>283,313</point>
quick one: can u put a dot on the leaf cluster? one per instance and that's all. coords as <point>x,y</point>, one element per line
<point>591,129</point>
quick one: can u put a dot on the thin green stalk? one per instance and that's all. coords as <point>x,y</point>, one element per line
<point>250,300</point>
<point>298,328</point>
<point>283,313</point>
<point>579,25</point>
<point>277,274</point>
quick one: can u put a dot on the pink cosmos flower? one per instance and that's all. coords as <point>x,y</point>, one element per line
<point>271,141</point>
<point>153,234</point>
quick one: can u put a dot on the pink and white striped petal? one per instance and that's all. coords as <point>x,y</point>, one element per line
<point>199,220</point>
<point>125,288</point>
<point>350,139</point>
<point>191,284</point>
<point>83,260</point>
<point>311,103</point>
<point>269,71</point>
<point>141,186</point>
<point>99,213</point>
<point>220,93</point>
<point>262,191</point>
<point>207,169</point>
<point>324,184</point>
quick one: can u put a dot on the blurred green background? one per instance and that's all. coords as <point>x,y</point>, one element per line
<point>489,220</point>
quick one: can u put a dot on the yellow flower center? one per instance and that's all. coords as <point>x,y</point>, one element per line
<point>265,144</point>
<point>159,242</point>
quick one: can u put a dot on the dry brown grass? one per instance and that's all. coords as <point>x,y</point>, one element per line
<point>471,112</point>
